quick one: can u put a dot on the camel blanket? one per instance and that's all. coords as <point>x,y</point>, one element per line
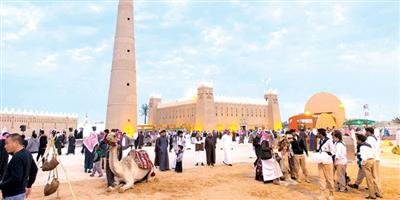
<point>142,159</point>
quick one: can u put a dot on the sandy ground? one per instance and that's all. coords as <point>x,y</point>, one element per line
<point>220,182</point>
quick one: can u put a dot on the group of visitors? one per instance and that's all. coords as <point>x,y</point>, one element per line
<point>37,143</point>
<point>280,158</point>
<point>204,146</point>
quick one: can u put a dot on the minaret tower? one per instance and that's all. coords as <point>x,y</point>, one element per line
<point>122,100</point>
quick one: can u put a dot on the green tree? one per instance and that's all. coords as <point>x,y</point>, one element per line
<point>144,109</point>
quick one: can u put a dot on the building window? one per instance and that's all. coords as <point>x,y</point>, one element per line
<point>128,50</point>
<point>127,84</point>
<point>128,18</point>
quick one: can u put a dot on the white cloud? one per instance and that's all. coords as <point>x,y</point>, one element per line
<point>86,53</point>
<point>352,105</point>
<point>96,8</point>
<point>175,13</point>
<point>145,16</point>
<point>341,46</point>
<point>289,109</point>
<point>338,15</point>
<point>210,70</point>
<point>48,63</point>
<point>177,3</point>
<point>86,30</point>
<point>388,58</point>
<point>217,37</point>
<point>20,22</point>
<point>276,38</point>
<point>277,13</point>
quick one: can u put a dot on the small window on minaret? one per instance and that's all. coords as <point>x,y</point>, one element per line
<point>129,18</point>
<point>129,120</point>
<point>127,84</point>
<point>128,50</point>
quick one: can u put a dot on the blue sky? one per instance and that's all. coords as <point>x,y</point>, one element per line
<point>56,55</point>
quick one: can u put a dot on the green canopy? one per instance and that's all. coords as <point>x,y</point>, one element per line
<point>359,122</point>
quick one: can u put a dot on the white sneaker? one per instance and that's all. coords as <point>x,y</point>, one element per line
<point>110,189</point>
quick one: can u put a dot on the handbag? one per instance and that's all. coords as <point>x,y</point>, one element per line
<point>51,164</point>
<point>51,187</point>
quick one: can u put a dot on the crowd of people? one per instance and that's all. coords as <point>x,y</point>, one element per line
<point>279,155</point>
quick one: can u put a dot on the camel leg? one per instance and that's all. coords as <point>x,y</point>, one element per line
<point>128,185</point>
<point>118,183</point>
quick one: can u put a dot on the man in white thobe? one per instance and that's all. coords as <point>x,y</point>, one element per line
<point>227,146</point>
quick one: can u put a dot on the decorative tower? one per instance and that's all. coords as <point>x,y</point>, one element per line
<point>153,104</point>
<point>274,115</point>
<point>205,109</point>
<point>122,100</point>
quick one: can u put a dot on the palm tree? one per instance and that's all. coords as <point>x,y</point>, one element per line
<point>144,109</point>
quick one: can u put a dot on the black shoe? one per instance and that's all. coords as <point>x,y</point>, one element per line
<point>89,171</point>
<point>369,197</point>
<point>230,165</point>
<point>197,164</point>
<point>265,182</point>
<point>355,186</point>
<point>378,195</point>
<point>85,170</point>
<point>202,164</point>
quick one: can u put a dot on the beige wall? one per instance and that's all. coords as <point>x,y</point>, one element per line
<point>205,113</point>
<point>180,116</point>
<point>233,116</point>
<point>13,122</point>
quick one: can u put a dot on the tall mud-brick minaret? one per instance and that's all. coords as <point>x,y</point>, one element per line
<point>122,100</point>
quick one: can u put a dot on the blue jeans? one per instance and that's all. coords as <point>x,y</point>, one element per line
<point>16,197</point>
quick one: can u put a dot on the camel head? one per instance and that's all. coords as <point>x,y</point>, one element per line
<point>112,139</point>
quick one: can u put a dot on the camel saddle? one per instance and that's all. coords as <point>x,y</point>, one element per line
<point>142,159</point>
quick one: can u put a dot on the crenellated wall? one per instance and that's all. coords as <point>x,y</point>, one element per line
<point>209,113</point>
<point>13,121</point>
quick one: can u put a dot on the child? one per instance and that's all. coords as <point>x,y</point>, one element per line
<point>96,161</point>
<point>179,158</point>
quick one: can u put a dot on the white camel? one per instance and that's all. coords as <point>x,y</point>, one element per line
<point>126,172</point>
